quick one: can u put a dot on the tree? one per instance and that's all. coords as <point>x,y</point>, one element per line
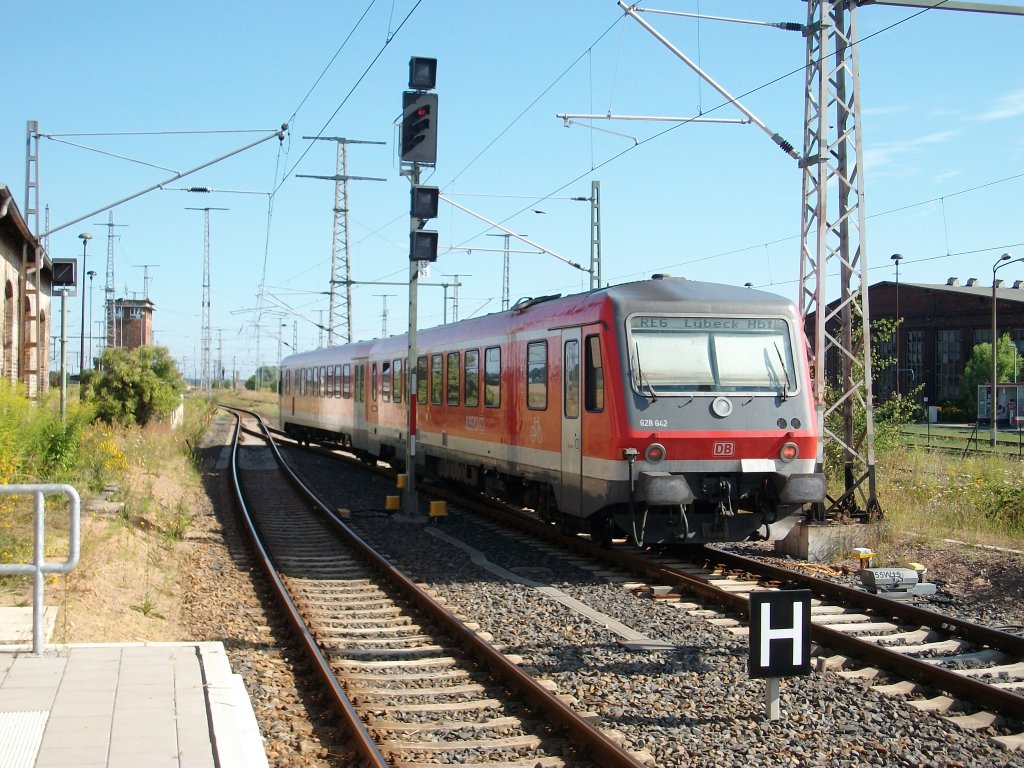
<point>264,378</point>
<point>135,386</point>
<point>978,371</point>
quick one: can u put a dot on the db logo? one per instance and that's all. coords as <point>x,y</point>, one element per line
<point>725,449</point>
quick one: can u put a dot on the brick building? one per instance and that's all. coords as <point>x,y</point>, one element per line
<point>26,275</point>
<point>941,326</point>
<point>133,323</point>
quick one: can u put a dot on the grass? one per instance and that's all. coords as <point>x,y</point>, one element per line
<point>147,471</point>
<point>934,495</point>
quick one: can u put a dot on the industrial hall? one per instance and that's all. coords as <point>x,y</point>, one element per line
<point>941,325</point>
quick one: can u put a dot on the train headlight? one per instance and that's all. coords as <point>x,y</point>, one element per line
<point>789,452</point>
<point>654,453</point>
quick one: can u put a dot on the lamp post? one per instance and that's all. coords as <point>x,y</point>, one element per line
<point>897,258</point>
<point>91,273</point>
<point>85,237</point>
<point>1001,262</point>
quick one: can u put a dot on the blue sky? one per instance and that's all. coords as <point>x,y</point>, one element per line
<point>943,111</point>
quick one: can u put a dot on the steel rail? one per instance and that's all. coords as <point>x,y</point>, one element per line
<point>363,743</point>
<point>594,742</point>
<point>883,606</point>
<point>928,674</point>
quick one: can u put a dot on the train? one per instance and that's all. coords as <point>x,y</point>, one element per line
<point>667,410</point>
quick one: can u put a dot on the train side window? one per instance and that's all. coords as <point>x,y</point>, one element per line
<point>373,383</point>
<point>310,382</point>
<point>571,379</point>
<point>385,381</point>
<point>346,380</point>
<point>321,381</point>
<point>471,390</point>
<point>396,381</point>
<point>337,381</point>
<point>360,383</point>
<point>421,380</point>
<point>537,375</point>
<point>593,375</point>
<point>452,396</point>
<point>436,386</point>
<point>492,377</point>
<point>329,389</point>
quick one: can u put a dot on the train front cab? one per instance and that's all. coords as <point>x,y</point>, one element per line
<point>722,432</point>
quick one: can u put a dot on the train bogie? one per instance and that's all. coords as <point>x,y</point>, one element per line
<point>666,410</point>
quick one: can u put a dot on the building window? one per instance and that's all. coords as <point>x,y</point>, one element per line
<point>913,356</point>
<point>1018,340</point>
<point>947,365</point>
<point>885,352</point>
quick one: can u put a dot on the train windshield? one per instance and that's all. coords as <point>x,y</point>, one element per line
<point>672,355</point>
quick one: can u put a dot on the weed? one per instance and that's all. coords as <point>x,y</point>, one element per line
<point>148,608</point>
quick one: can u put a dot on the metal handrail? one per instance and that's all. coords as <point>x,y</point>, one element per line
<point>39,566</point>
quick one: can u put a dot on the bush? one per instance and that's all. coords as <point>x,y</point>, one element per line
<point>135,386</point>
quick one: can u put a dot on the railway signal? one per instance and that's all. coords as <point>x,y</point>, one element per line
<point>419,127</point>
<point>418,146</point>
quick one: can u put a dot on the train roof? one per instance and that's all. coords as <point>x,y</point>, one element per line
<point>662,293</point>
<point>665,293</point>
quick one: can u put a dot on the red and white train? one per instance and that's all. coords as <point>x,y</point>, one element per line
<point>670,410</point>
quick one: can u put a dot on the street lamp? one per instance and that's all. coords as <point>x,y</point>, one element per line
<point>85,237</point>
<point>1001,262</point>
<point>897,258</point>
<point>91,273</point>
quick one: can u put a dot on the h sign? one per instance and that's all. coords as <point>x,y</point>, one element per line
<point>780,633</point>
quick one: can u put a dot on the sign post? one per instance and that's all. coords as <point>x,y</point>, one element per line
<point>780,640</point>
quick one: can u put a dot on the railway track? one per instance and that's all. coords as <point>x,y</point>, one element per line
<point>416,685</point>
<point>971,674</point>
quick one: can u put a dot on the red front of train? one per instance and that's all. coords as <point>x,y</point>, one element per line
<point>668,409</point>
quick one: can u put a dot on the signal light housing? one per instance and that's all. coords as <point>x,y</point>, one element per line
<point>424,202</point>
<point>422,73</point>
<point>423,245</point>
<point>419,127</point>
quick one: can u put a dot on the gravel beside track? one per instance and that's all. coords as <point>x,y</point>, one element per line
<point>690,705</point>
<point>223,594</point>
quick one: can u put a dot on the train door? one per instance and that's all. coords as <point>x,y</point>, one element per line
<point>571,500</point>
<point>360,403</point>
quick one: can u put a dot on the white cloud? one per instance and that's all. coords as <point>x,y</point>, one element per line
<point>884,154</point>
<point>1010,105</point>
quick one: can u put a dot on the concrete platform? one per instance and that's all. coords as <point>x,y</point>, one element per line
<point>118,705</point>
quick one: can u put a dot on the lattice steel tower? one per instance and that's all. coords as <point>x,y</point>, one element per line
<point>339,316</point>
<point>204,366</point>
